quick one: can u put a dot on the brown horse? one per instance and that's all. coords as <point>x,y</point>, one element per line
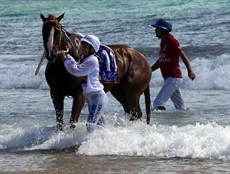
<point>134,73</point>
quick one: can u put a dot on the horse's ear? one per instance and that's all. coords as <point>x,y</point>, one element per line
<point>43,17</point>
<point>59,18</point>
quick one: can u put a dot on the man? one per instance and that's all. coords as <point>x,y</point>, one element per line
<point>168,62</point>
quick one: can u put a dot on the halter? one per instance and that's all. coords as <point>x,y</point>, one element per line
<point>57,47</point>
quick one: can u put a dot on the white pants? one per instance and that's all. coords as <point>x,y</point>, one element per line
<point>97,105</point>
<point>170,89</point>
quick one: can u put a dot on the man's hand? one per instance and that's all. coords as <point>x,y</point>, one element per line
<point>191,75</point>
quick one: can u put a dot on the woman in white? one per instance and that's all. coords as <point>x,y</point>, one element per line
<point>88,71</point>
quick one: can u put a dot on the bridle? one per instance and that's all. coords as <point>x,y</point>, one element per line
<point>49,53</point>
<point>53,54</point>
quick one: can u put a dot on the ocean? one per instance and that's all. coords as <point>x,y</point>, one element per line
<point>192,141</point>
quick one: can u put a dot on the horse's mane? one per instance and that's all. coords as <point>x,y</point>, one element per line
<point>69,33</point>
<point>51,17</point>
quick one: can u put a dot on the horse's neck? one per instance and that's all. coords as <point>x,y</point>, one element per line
<point>71,38</point>
<point>65,35</point>
<point>74,40</point>
<point>57,64</point>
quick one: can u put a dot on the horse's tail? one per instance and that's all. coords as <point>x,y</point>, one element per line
<point>147,104</point>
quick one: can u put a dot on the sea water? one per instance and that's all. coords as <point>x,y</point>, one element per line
<point>196,140</point>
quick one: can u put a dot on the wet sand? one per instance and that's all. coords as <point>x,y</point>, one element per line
<point>66,162</point>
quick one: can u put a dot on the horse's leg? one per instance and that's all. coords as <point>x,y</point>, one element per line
<point>128,99</point>
<point>119,93</point>
<point>133,97</point>
<point>147,103</point>
<point>135,112</point>
<point>139,114</point>
<point>78,103</point>
<point>58,102</point>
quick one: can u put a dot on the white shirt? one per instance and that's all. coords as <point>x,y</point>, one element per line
<point>88,71</point>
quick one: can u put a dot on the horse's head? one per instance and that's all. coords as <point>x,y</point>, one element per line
<point>54,36</point>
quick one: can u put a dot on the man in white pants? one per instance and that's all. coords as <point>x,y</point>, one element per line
<point>168,62</point>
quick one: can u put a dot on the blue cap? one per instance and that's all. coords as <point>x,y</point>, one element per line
<point>163,24</point>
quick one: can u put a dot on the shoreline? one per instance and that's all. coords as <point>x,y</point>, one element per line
<point>72,163</point>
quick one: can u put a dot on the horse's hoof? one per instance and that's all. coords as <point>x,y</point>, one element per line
<point>72,126</point>
<point>60,126</point>
<point>133,119</point>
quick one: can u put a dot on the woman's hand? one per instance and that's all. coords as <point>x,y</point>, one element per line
<point>62,54</point>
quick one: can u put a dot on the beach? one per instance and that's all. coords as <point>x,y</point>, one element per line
<point>179,142</point>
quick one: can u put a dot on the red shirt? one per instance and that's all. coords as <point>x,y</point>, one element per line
<point>169,58</point>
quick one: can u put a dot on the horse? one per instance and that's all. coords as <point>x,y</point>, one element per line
<point>134,73</point>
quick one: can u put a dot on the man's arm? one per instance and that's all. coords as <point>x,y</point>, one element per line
<point>185,59</point>
<point>155,66</point>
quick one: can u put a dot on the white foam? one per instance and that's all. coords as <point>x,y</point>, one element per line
<point>16,74</point>
<point>193,141</point>
<point>210,74</point>
<point>205,141</point>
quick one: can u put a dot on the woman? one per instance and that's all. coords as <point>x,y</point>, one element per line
<point>88,71</point>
